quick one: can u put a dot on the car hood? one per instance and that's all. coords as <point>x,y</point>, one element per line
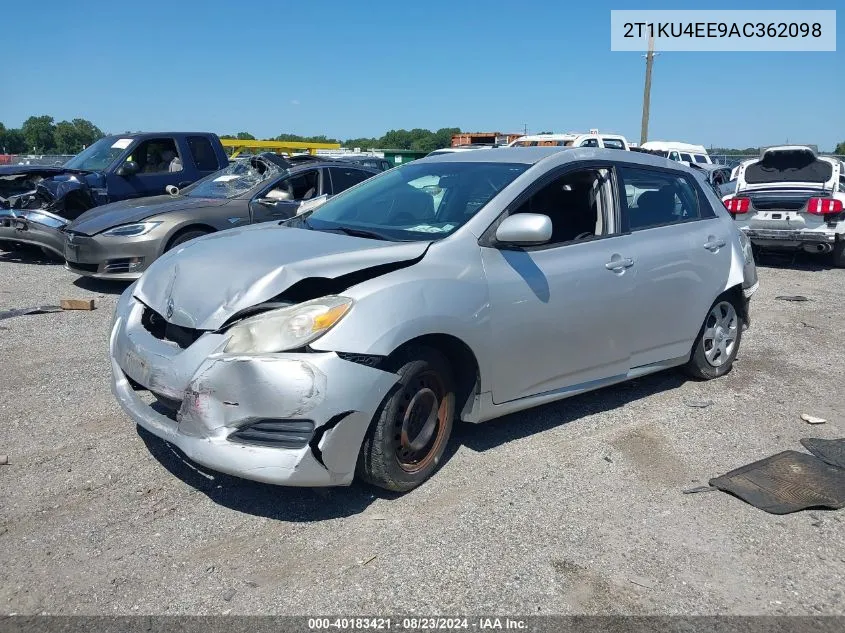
<point>204,283</point>
<point>99,219</point>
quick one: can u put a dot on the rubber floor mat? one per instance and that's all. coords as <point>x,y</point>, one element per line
<point>787,482</point>
<point>831,451</point>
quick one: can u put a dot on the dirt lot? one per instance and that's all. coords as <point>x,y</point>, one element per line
<point>571,508</point>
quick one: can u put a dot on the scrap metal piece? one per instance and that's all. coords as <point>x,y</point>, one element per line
<point>831,451</point>
<point>811,419</point>
<point>787,482</point>
<point>792,298</point>
<point>15,312</point>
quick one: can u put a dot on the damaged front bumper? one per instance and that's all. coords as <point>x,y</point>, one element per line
<point>296,419</point>
<point>35,227</point>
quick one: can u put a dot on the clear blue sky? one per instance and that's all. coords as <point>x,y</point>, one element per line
<point>292,66</point>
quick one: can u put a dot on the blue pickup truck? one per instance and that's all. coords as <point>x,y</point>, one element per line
<point>36,203</point>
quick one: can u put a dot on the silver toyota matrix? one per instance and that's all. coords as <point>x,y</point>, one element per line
<point>350,338</point>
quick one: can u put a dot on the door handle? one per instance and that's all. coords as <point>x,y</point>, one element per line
<point>617,265</point>
<point>714,245</point>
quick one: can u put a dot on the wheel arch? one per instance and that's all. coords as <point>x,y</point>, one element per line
<point>193,226</point>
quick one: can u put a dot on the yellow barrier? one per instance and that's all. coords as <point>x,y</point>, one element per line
<point>286,147</point>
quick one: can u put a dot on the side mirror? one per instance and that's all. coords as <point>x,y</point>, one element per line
<point>525,229</point>
<point>310,205</point>
<point>129,168</point>
<point>274,196</point>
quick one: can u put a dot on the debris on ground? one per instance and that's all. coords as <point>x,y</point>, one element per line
<point>698,404</point>
<point>787,482</point>
<point>77,304</point>
<point>16,312</point>
<point>830,451</point>
<point>228,595</point>
<point>792,298</point>
<point>811,419</point>
<point>369,560</point>
<point>4,460</point>
<point>692,491</point>
<point>642,582</point>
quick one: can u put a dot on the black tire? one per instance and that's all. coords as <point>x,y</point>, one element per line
<point>425,389</point>
<point>699,366</point>
<point>839,254</point>
<point>187,236</point>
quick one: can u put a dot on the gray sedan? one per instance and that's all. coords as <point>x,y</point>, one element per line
<point>467,285</point>
<point>120,240</point>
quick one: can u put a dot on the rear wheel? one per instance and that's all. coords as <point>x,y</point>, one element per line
<point>187,236</point>
<point>409,432</point>
<point>839,254</point>
<point>718,342</point>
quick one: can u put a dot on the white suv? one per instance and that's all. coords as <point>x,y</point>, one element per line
<point>790,198</point>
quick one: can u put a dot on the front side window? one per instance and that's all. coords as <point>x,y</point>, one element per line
<point>232,181</point>
<point>417,201</point>
<point>686,157</point>
<point>613,143</point>
<point>578,204</point>
<point>700,158</point>
<point>656,198</point>
<point>590,142</point>
<point>156,156</point>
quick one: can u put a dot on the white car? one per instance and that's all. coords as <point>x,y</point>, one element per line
<point>681,152</point>
<point>789,199</point>
<point>573,139</point>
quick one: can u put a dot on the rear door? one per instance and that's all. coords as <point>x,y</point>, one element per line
<point>682,255</point>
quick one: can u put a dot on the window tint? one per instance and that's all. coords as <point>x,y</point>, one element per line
<point>590,142</point>
<point>686,157</point>
<point>700,158</point>
<point>613,143</point>
<point>657,198</point>
<point>203,154</point>
<point>343,178</point>
<point>156,156</point>
<point>576,203</point>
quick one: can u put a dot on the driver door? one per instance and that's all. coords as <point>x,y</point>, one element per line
<point>281,199</point>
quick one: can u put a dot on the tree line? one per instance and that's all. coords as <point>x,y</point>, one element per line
<point>42,135</point>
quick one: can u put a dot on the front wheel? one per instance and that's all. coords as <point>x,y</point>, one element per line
<point>410,430</point>
<point>187,236</point>
<point>718,342</point>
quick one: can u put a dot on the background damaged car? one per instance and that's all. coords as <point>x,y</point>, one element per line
<point>120,240</point>
<point>36,203</point>
<point>467,285</point>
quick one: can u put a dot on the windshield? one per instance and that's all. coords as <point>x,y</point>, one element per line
<point>232,181</point>
<point>100,155</point>
<point>418,201</point>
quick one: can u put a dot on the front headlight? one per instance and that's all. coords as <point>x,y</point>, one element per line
<point>131,230</point>
<point>287,328</point>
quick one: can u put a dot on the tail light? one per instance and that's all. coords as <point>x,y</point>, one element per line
<point>737,205</point>
<point>823,206</point>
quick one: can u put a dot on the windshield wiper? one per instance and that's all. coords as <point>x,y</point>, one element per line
<point>359,233</point>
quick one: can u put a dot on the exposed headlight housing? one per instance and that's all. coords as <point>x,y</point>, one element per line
<point>287,328</point>
<point>131,230</point>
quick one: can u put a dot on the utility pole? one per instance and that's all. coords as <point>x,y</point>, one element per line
<point>649,61</point>
<point>525,129</point>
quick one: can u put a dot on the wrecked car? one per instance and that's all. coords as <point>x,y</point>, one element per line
<point>37,203</point>
<point>120,240</point>
<point>470,285</point>
<point>791,199</point>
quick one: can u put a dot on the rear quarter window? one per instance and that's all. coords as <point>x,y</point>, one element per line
<point>204,157</point>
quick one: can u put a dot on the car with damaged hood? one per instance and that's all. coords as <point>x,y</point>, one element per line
<point>37,202</point>
<point>120,240</point>
<point>350,338</point>
<point>791,199</point>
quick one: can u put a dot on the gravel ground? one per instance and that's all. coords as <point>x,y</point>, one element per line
<point>570,508</point>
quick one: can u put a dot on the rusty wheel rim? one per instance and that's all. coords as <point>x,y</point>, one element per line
<point>420,421</point>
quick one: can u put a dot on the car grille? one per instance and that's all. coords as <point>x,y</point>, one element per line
<point>275,433</point>
<point>158,326</point>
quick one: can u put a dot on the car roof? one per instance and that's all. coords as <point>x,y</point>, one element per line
<point>533,155</point>
<point>155,134</point>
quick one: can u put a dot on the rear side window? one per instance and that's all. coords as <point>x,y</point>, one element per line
<point>700,158</point>
<point>590,142</point>
<point>201,150</point>
<point>686,157</point>
<point>657,198</point>
<point>798,166</point>
<point>344,178</point>
<point>613,143</point>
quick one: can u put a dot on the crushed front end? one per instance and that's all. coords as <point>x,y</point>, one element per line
<point>294,418</point>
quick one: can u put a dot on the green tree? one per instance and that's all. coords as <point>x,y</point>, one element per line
<point>86,132</point>
<point>840,149</point>
<point>38,133</point>
<point>65,137</point>
<point>11,141</point>
<point>245,136</point>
